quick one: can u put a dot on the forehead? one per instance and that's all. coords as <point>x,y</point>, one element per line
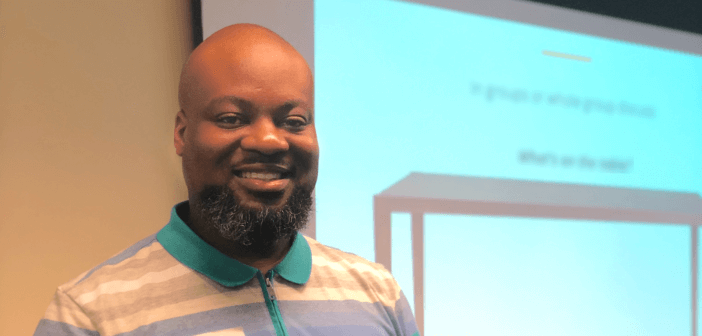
<point>259,71</point>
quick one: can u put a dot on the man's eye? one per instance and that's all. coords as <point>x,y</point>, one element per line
<point>230,120</point>
<point>296,122</point>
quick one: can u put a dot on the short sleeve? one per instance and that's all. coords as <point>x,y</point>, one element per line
<point>65,317</point>
<point>405,322</point>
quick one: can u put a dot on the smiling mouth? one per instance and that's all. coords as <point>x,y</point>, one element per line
<point>264,176</point>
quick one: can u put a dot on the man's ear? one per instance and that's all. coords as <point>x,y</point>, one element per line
<point>179,133</point>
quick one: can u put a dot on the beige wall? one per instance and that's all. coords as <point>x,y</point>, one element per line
<point>87,166</point>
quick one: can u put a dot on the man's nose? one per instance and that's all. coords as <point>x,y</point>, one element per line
<point>265,138</point>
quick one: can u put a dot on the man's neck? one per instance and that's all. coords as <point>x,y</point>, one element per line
<point>263,264</point>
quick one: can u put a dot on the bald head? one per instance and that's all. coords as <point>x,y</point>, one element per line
<point>248,52</point>
<point>247,97</point>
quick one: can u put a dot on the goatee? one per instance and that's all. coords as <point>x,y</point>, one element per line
<point>254,230</point>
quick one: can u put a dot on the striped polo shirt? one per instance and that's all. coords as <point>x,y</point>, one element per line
<point>173,283</point>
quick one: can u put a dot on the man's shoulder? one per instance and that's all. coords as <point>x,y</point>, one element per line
<point>345,276</point>
<point>147,255</point>
<point>345,262</point>
<point>336,255</point>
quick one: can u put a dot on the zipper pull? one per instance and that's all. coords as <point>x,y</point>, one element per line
<point>271,292</point>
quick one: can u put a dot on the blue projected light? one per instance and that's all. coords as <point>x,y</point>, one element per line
<point>555,277</point>
<point>404,88</point>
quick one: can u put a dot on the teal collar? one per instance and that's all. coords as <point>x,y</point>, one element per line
<point>188,248</point>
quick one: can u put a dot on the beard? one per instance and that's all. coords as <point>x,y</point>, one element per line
<point>254,230</point>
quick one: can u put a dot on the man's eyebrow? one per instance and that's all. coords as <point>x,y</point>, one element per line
<point>240,102</point>
<point>248,105</point>
<point>291,104</point>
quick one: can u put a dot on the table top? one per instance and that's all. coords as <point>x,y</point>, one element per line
<point>508,191</point>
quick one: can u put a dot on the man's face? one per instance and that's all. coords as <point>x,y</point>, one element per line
<point>249,125</point>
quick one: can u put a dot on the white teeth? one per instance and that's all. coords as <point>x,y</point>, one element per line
<point>261,176</point>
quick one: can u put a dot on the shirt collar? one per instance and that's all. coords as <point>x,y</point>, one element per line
<point>188,248</point>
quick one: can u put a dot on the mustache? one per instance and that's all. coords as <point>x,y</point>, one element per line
<point>255,158</point>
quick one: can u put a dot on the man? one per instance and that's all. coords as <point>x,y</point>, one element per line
<point>231,260</point>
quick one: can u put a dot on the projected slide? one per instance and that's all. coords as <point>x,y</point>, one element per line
<point>567,275</point>
<point>404,87</point>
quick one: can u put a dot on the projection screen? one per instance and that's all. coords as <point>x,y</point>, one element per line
<point>522,169</point>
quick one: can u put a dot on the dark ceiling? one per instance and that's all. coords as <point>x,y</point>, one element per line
<point>677,14</point>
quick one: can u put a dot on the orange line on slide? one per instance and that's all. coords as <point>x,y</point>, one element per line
<point>566,56</point>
